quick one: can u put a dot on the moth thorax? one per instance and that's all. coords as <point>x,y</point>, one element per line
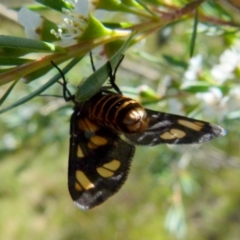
<point>136,120</point>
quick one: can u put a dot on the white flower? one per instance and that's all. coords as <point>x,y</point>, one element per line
<point>74,21</point>
<point>31,21</point>
<point>212,103</point>
<point>229,60</point>
<point>195,66</point>
<point>212,97</point>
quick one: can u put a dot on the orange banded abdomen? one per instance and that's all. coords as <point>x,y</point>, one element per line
<point>118,112</point>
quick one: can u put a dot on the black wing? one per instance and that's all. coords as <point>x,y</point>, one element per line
<point>174,129</point>
<point>99,162</point>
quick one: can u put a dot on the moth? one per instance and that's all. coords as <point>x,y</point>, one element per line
<point>104,131</point>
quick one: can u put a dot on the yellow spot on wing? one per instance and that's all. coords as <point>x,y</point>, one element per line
<point>80,152</point>
<point>107,170</point>
<point>91,126</point>
<point>177,133</point>
<point>91,145</point>
<point>78,187</point>
<point>99,141</point>
<point>197,126</point>
<point>86,125</point>
<point>83,180</point>
<point>104,172</point>
<point>167,135</point>
<point>173,134</point>
<point>113,165</point>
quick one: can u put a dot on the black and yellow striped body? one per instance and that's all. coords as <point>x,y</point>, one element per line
<point>100,159</point>
<point>117,112</point>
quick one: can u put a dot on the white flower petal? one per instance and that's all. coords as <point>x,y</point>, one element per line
<point>74,22</point>
<point>228,62</point>
<point>195,66</point>
<point>212,97</point>
<point>29,19</point>
<point>81,7</point>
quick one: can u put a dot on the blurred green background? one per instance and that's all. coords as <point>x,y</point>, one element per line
<point>189,192</point>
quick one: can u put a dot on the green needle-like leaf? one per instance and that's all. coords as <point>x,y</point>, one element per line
<point>93,83</point>
<point>41,89</point>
